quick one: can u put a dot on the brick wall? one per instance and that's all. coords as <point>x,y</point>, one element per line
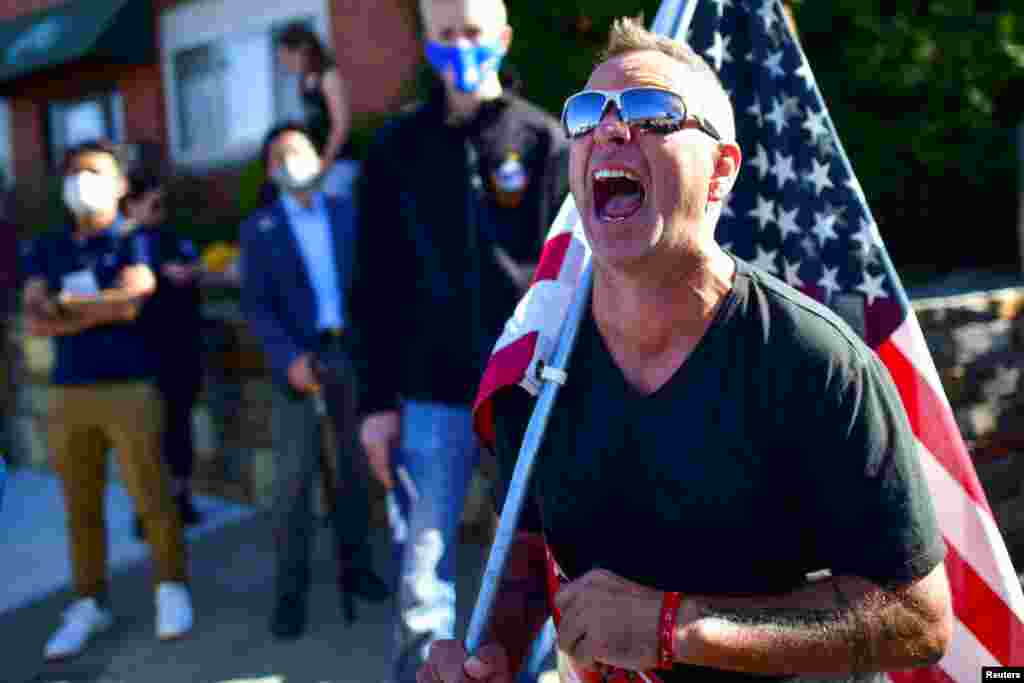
<point>377,50</point>
<point>375,43</point>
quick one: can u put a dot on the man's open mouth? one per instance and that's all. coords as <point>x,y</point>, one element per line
<point>618,194</point>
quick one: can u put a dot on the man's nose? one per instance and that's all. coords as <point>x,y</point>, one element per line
<point>611,129</point>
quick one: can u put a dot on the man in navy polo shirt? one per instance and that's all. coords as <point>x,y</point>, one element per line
<point>83,288</point>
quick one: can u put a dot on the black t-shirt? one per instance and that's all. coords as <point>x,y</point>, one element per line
<point>172,317</point>
<point>318,116</point>
<point>778,449</point>
<point>107,353</point>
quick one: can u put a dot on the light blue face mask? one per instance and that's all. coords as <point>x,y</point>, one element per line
<point>471,65</point>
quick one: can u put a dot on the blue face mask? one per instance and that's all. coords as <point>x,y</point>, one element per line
<point>470,65</point>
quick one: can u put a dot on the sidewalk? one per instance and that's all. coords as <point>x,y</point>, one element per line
<point>232,569</point>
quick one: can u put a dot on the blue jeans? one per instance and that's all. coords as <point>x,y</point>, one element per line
<point>432,470</point>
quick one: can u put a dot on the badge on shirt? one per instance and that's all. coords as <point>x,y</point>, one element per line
<point>510,181</point>
<point>80,283</point>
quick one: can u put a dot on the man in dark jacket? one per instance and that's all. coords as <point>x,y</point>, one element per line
<point>456,196</point>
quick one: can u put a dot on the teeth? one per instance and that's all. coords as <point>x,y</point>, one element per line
<point>609,173</point>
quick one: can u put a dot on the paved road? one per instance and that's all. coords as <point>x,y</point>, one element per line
<point>232,575</point>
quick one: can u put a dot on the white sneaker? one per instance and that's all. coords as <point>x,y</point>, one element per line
<point>173,611</point>
<point>82,620</point>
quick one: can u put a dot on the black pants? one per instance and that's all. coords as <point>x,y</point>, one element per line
<point>179,387</point>
<point>297,436</point>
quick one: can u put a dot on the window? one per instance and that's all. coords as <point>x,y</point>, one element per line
<point>72,122</point>
<point>225,85</point>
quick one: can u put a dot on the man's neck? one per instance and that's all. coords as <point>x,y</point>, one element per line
<point>462,107</point>
<point>649,316</point>
<point>92,224</point>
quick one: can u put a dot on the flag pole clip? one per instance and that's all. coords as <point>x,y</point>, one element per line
<point>549,374</point>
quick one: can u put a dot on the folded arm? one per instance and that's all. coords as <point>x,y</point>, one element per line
<point>46,316</point>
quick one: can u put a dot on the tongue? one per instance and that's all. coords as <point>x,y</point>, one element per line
<point>623,205</point>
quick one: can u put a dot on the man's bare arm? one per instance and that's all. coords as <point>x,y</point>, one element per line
<point>115,304</point>
<point>834,627</point>
<point>42,316</point>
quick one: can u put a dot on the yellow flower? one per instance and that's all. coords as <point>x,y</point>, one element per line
<point>219,256</point>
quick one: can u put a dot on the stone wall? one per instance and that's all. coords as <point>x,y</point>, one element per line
<point>976,341</point>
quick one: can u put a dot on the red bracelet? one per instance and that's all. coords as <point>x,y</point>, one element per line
<point>667,629</point>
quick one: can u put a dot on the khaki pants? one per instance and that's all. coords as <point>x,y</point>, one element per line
<point>85,421</point>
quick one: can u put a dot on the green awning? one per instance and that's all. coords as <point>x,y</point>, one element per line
<point>119,31</point>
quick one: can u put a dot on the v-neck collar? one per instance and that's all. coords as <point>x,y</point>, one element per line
<point>611,368</point>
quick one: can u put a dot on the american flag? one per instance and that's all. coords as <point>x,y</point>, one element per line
<point>798,212</point>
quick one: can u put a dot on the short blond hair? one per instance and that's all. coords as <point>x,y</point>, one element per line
<point>425,6</point>
<point>629,35</point>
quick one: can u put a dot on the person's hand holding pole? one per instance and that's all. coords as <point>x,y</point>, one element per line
<point>448,662</point>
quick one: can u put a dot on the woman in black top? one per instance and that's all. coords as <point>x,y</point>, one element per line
<point>325,100</point>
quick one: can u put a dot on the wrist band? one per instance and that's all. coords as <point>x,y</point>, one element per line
<point>667,629</point>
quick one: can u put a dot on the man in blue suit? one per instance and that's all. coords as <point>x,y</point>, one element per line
<point>296,266</point>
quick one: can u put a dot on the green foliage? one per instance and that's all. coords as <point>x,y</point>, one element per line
<point>926,97</point>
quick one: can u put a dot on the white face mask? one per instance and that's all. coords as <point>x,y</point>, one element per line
<point>88,193</point>
<point>298,172</point>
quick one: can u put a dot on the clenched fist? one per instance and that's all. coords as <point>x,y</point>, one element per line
<point>608,620</point>
<point>448,662</point>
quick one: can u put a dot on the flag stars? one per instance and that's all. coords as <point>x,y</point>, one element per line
<point>824,227</point>
<point>783,169</point>
<point>824,147</point>
<point>787,222</point>
<point>792,273</point>
<point>764,213</point>
<point>791,105</point>
<point>761,162</point>
<point>819,176</point>
<point>719,51</point>
<point>774,64</point>
<point>755,111</point>
<point>765,260</point>
<point>804,72</point>
<point>777,115</point>
<point>830,282</point>
<point>810,247</point>
<point>720,5</point>
<point>815,124</point>
<point>838,211</point>
<point>864,236</point>
<point>872,287</point>
<point>767,14</point>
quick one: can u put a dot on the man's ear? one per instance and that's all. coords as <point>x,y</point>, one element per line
<point>727,169</point>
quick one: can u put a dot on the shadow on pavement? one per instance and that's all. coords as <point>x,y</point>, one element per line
<point>232,575</point>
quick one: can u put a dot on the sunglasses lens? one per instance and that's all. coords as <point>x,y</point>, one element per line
<point>658,111</point>
<point>582,113</point>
